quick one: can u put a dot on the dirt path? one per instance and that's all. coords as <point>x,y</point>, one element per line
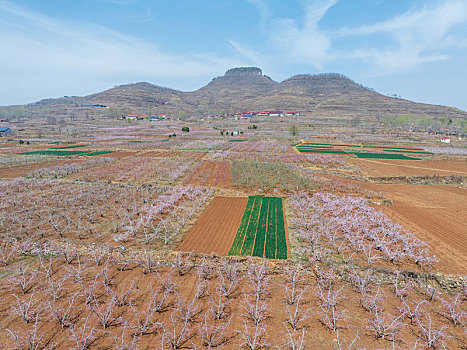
<point>215,230</point>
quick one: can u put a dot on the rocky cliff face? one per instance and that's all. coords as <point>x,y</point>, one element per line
<point>243,71</point>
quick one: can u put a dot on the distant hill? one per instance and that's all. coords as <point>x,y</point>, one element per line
<point>247,89</point>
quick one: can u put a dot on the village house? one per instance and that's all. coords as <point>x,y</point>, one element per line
<point>275,114</point>
<point>446,139</point>
<point>4,131</point>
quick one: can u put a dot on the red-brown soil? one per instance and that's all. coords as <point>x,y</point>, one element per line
<point>435,214</point>
<point>162,154</point>
<point>397,167</point>
<point>215,230</point>
<point>23,170</point>
<point>317,336</point>
<point>211,173</point>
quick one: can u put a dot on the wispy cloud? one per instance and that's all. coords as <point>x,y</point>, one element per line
<point>120,2</point>
<point>415,37</point>
<point>263,9</point>
<point>294,40</point>
<point>145,17</point>
<point>89,55</point>
<point>306,43</point>
<point>404,42</point>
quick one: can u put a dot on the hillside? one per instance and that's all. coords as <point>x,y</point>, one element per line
<point>248,89</point>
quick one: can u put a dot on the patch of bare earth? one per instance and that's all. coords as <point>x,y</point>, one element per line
<point>24,170</point>
<point>435,214</point>
<point>212,173</point>
<point>215,230</point>
<point>397,167</point>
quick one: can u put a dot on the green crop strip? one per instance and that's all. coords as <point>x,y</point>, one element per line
<point>322,151</point>
<point>405,151</point>
<point>66,147</point>
<point>236,248</point>
<point>383,156</point>
<point>96,153</point>
<point>55,153</point>
<point>261,232</point>
<point>388,147</point>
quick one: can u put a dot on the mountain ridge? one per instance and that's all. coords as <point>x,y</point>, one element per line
<point>246,88</point>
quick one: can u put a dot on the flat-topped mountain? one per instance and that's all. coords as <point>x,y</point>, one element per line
<point>246,88</point>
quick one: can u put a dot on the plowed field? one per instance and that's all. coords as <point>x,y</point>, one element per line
<point>211,173</point>
<point>216,228</point>
<point>162,154</point>
<point>393,167</point>
<point>435,214</point>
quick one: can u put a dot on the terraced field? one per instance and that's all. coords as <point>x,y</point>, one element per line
<point>262,231</point>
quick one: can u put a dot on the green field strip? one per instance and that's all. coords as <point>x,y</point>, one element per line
<point>314,147</point>
<point>66,147</point>
<point>389,147</point>
<point>236,140</point>
<point>270,243</point>
<point>344,145</point>
<point>281,250</point>
<point>405,151</point>
<point>240,236</point>
<point>383,156</point>
<point>261,230</point>
<point>90,154</point>
<point>249,241</point>
<point>317,144</point>
<point>322,151</point>
<point>55,153</point>
<point>329,144</point>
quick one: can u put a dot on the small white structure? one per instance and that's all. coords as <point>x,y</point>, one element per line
<point>446,139</point>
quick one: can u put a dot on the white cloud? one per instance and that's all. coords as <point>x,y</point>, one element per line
<point>403,42</point>
<point>306,43</point>
<point>120,2</point>
<point>290,41</point>
<point>84,55</point>
<point>262,7</point>
<point>415,37</point>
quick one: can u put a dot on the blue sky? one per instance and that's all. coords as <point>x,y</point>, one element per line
<point>413,48</point>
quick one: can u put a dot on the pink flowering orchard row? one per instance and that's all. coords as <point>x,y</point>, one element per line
<point>260,146</point>
<point>131,300</point>
<point>60,171</point>
<point>349,226</point>
<point>58,209</point>
<point>140,169</point>
<point>165,218</point>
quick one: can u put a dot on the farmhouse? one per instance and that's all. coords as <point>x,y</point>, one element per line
<point>275,114</point>
<point>94,105</point>
<point>446,139</point>
<point>292,114</point>
<point>4,131</point>
<point>3,120</point>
